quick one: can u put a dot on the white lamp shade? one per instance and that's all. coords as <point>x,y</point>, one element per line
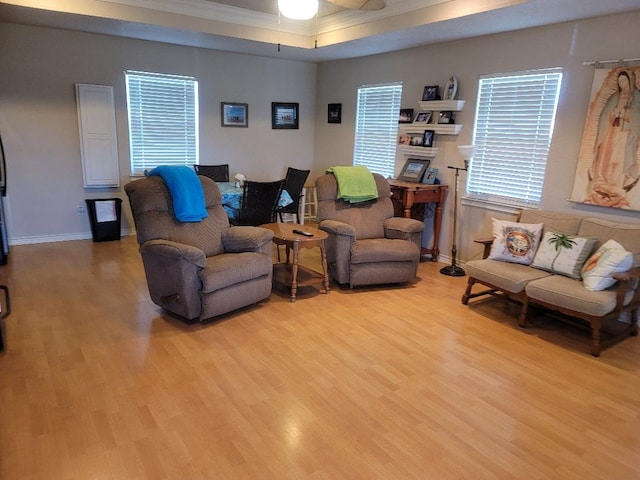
<point>298,9</point>
<point>466,151</point>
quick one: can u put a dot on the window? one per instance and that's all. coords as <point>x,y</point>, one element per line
<point>512,136</point>
<point>163,120</point>
<point>377,128</point>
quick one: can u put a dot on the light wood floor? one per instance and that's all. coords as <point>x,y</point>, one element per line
<point>385,383</point>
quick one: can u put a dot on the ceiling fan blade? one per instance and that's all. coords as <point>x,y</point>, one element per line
<point>360,4</point>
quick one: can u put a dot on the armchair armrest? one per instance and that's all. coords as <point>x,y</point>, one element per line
<point>487,242</point>
<point>400,227</point>
<point>247,239</point>
<point>172,270</point>
<point>337,228</point>
<point>174,251</point>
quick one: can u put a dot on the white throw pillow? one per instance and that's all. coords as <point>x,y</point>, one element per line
<point>563,254</point>
<point>515,242</point>
<point>610,258</point>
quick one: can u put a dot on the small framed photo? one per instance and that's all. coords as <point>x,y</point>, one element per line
<point>406,115</point>
<point>416,139</point>
<point>430,176</point>
<point>334,113</point>
<point>404,139</point>
<point>431,92</point>
<point>234,114</point>
<point>427,138</point>
<point>446,117</point>
<point>422,117</point>
<point>284,115</point>
<point>414,169</point>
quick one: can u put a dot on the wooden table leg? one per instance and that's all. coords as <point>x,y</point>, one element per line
<point>294,272</point>
<point>323,256</point>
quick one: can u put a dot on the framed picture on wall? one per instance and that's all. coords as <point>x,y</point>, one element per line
<point>234,114</point>
<point>334,113</point>
<point>284,115</point>
<point>414,169</point>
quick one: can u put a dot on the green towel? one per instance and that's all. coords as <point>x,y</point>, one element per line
<point>355,184</point>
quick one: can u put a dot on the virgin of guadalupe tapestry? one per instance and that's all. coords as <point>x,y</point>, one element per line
<point>609,163</point>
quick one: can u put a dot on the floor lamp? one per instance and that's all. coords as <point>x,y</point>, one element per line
<point>453,270</point>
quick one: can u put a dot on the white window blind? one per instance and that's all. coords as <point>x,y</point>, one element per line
<point>377,127</point>
<point>512,135</point>
<point>163,120</point>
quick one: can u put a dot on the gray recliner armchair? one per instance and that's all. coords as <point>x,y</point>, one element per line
<point>367,245</point>
<point>198,270</point>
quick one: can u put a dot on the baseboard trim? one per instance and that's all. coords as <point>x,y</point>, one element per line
<point>58,238</point>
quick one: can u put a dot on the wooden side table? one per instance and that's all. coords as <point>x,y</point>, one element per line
<point>292,274</point>
<point>407,195</point>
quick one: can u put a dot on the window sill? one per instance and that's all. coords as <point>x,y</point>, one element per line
<point>492,205</point>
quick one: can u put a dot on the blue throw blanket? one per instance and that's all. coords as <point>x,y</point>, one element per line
<point>186,192</point>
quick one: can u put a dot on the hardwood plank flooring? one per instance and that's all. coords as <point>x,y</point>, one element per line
<point>372,383</point>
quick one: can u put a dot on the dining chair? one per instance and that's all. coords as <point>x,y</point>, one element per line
<point>293,184</point>
<point>218,173</point>
<point>259,201</point>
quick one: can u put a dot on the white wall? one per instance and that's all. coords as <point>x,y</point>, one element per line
<point>565,45</point>
<point>39,127</point>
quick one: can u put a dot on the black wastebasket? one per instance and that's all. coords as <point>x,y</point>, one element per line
<point>104,216</point>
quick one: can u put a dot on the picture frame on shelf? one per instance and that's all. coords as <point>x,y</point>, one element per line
<point>234,114</point>
<point>430,176</point>
<point>416,139</point>
<point>404,139</point>
<point>414,169</point>
<point>451,89</point>
<point>406,115</point>
<point>446,118</point>
<point>423,117</point>
<point>334,113</point>
<point>431,92</point>
<point>427,138</point>
<point>284,115</point>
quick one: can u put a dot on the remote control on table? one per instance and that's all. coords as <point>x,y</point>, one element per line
<point>302,232</point>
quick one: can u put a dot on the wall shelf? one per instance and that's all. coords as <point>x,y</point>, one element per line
<point>441,128</point>
<point>442,105</point>
<point>417,151</point>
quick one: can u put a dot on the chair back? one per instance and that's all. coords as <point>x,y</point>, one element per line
<point>218,173</point>
<point>367,218</point>
<point>259,202</point>
<point>154,217</point>
<point>293,184</point>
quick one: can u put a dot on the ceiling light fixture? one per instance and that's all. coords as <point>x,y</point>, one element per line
<point>298,9</point>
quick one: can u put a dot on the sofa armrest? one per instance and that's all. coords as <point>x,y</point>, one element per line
<point>486,242</point>
<point>247,239</point>
<point>629,280</point>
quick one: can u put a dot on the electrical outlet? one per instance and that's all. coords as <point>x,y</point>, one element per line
<point>81,210</point>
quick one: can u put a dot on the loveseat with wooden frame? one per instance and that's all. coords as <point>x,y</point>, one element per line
<point>532,286</point>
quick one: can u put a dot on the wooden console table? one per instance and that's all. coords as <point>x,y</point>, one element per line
<point>409,200</point>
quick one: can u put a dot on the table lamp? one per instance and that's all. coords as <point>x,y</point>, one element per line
<point>453,270</point>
